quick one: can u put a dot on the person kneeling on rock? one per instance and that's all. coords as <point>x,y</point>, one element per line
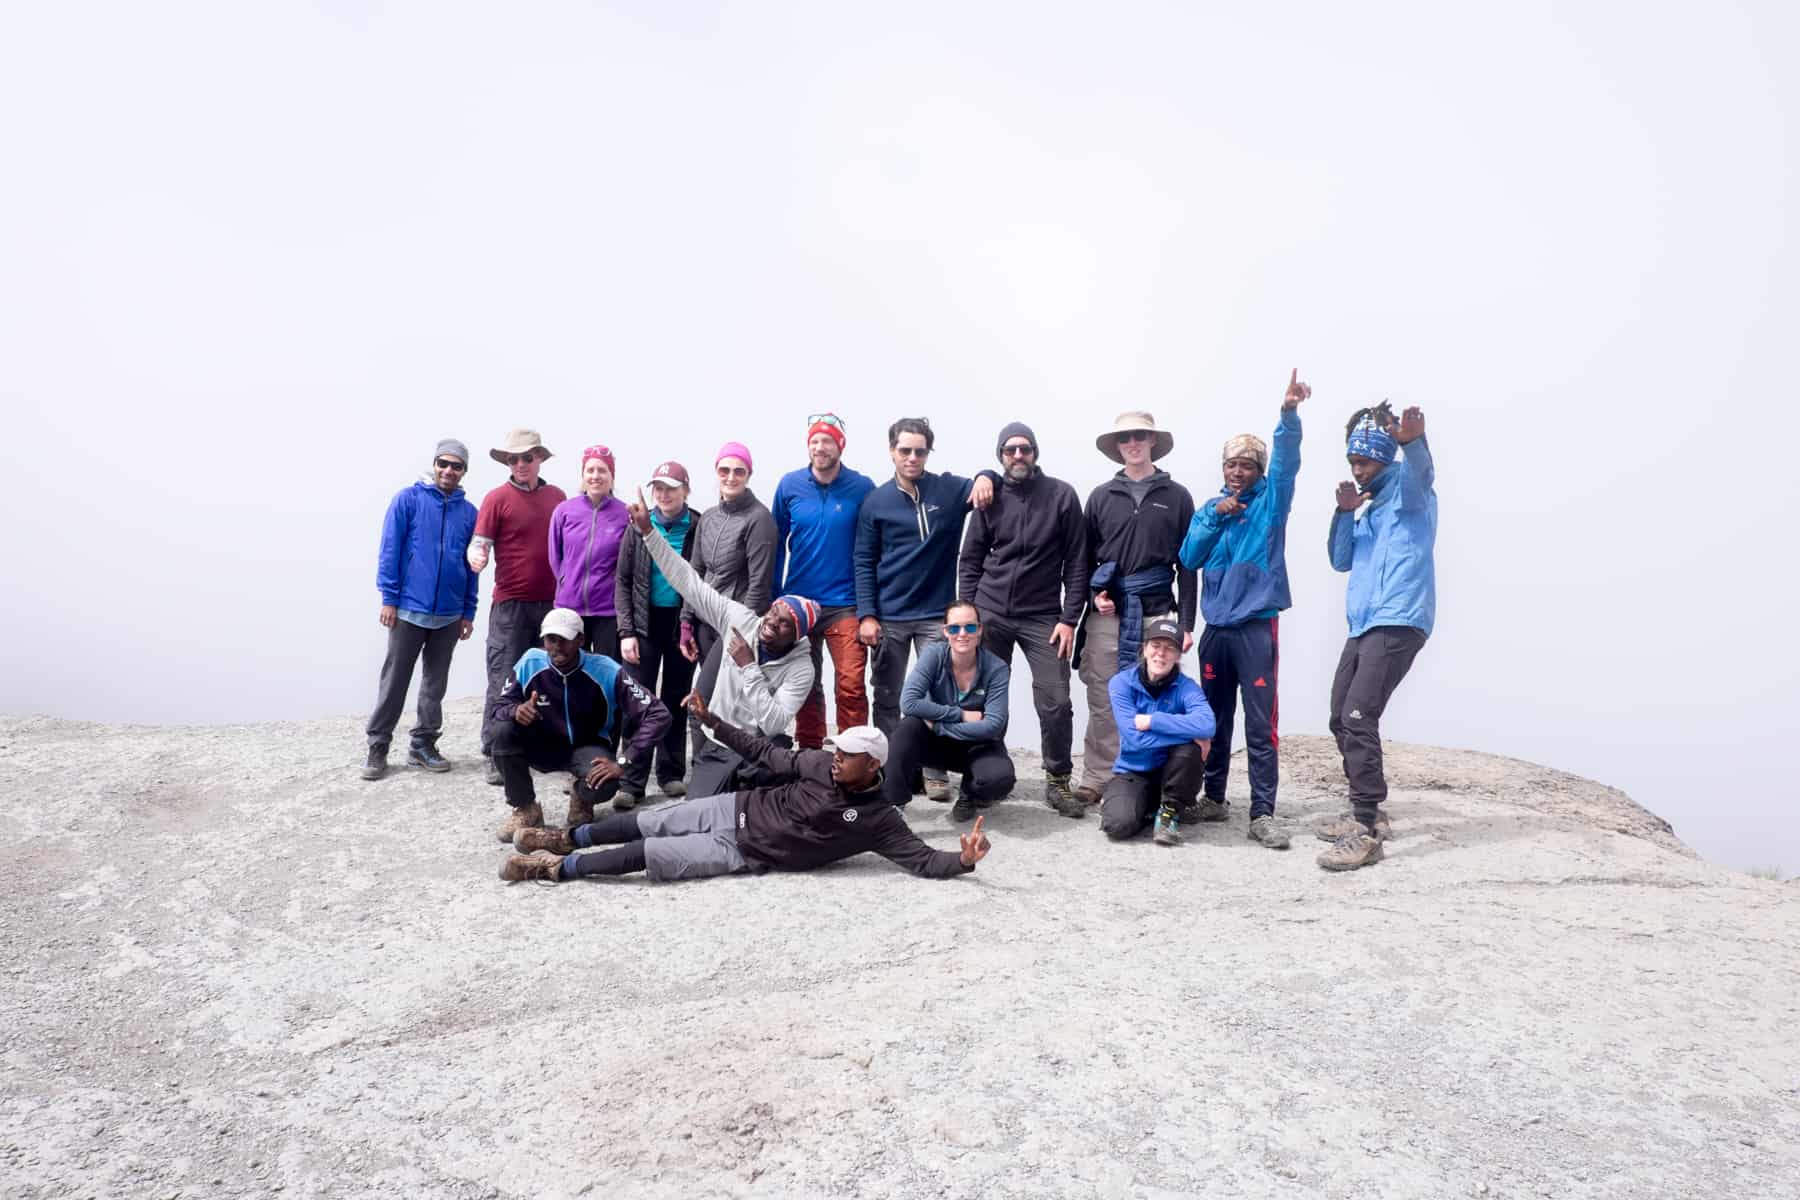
<point>564,709</point>
<point>1165,734</point>
<point>827,807</point>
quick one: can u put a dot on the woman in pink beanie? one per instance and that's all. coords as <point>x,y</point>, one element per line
<point>734,553</point>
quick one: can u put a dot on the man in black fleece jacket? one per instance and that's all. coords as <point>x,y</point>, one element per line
<point>828,808</point>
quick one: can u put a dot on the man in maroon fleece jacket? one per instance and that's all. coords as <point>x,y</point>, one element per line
<point>828,807</point>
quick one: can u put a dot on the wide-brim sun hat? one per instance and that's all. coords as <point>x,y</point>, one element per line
<point>1128,422</point>
<point>519,441</point>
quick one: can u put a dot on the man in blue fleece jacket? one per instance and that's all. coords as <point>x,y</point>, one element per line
<point>1238,543</point>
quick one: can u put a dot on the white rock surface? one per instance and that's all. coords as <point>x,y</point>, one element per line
<point>230,967</point>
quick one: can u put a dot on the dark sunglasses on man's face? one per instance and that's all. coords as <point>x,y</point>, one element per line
<point>1136,435</point>
<point>513,460</point>
<point>1025,451</point>
<point>732,472</point>
<point>971,627</point>
<point>450,464</point>
<point>913,451</point>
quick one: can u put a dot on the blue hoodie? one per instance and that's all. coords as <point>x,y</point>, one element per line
<point>1388,548</point>
<point>1178,713</point>
<point>815,534</point>
<point>421,568</point>
<point>1243,558</point>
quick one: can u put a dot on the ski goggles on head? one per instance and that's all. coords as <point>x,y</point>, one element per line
<point>831,419</point>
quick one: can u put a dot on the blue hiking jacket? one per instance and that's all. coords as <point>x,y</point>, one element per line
<point>421,567</point>
<point>1178,713</point>
<point>906,549</point>
<point>1387,548</point>
<point>815,535</point>
<point>931,695</point>
<point>1243,558</point>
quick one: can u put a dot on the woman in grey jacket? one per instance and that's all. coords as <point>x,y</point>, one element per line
<point>953,715</point>
<point>735,556</point>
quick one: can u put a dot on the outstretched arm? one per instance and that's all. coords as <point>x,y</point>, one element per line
<point>707,603</point>
<point>895,841</point>
<point>754,748</point>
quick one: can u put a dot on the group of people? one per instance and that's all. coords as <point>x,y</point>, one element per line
<point>619,631</point>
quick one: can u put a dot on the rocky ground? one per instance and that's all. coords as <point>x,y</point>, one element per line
<point>229,967</point>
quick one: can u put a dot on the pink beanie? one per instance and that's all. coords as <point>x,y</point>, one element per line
<point>735,450</point>
<point>601,453</point>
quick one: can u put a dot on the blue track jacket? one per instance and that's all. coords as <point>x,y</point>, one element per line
<point>931,695</point>
<point>596,704</point>
<point>906,549</point>
<point>421,568</point>
<point>1388,547</point>
<point>815,535</point>
<point>1243,558</point>
<point>1178,713</point>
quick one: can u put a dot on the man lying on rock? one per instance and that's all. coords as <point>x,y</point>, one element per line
<point>563,709</point>
<point>828,807</point>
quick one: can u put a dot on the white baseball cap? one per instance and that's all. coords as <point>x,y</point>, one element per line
<point>563,622</point>
<point>864,739</point>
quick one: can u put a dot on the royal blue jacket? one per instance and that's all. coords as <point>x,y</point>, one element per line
<point>422,568</point>
<point>931,695</point>
<point>596,704</point>
<point>906,549</point>
<point>1242,559</point>
<point>1387,548</point>
<point>815,535</point>
<point>1178,713</point>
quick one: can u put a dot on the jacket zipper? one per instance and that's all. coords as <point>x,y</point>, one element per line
<point>437,586</point>
<point>587,582</point>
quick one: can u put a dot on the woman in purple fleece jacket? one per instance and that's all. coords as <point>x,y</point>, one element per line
<point>585,531</point>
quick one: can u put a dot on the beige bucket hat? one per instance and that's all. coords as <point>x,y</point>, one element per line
<point>518,442</point>
<point>1108,444</point>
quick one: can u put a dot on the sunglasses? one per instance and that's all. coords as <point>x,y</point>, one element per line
<point>513,460</point>
<point>1025,451</point>
<point>831,419</point>
<point>971,627</point>
<point>1136,435</point>
<point>912,451</point>
<point>732,472</point>
<point>449,464</point>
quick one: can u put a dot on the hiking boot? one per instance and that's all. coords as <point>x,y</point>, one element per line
<point>428,758</point>
<point>1188,812</point>
<point>1330,829</point>
<point>964,808</point>
<point>1166,822</point>
<point>581,808</point>
<point>1058,796</point>
<point>375,766</point>
<point>624,800</point>
<point>493,774</point>
<point>1088,795</point>
<point>939,790</point>
<point>529,817</point>
<point>1351,851</point>
<point>1264,830</point>
<point>540,865</point>
<point>672,788</point>
<point>1213,810</point>
<point>556,841</point>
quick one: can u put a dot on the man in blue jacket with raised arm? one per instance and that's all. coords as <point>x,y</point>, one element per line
<point>1238,543</point>
<point>428,598</point>
<point>1391,604</point>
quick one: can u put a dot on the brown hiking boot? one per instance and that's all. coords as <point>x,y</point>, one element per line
<point>1058,796</point>
<point>529,817</point>
<point>541,865</point>
<point>1351,851</point>
<point>581,808</point>
<point>1087,795</point>
<point>556,841</point>
<point>1330,829</point>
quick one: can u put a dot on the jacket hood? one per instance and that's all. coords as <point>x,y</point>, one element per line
<point>430,484</point>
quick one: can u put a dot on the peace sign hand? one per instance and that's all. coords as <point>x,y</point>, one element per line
<point>975,845</point>
<point>1296,391</point>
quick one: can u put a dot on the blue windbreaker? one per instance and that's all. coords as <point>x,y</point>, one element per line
<point>1178,713</point>
<point>1243,558</point>
<point>1388,548</point>
<point>421,567</point>
<point>815,534</point>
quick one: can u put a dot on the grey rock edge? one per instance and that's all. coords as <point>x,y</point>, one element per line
<point>229,966</point>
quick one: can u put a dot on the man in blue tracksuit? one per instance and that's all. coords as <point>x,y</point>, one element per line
<point>428,598</point>
<point>907,537</point>
<point>1165,730</point>
<point>1238,542</point>
<point>1391,603</point>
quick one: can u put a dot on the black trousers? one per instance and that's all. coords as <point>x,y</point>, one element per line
<point>600,635</point>
<point>718,770</point>
<point>706,674</point>
<point>512,630</point>
<point>1371,667</point>
<point>1129,803</point>
<point>659,651</point>
<point>1243,659</point>
<point>405,643</point>
<point>1049,680</point>
<point>987,772</point>
<point>521,749</point>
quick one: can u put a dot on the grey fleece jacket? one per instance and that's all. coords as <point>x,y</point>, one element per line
<point>735,553</point>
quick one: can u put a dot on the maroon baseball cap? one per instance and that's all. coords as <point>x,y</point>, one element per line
<point>671,473</point>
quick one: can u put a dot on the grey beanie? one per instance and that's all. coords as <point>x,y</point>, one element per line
<point>1015,429</point>
<point>452,446</point>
